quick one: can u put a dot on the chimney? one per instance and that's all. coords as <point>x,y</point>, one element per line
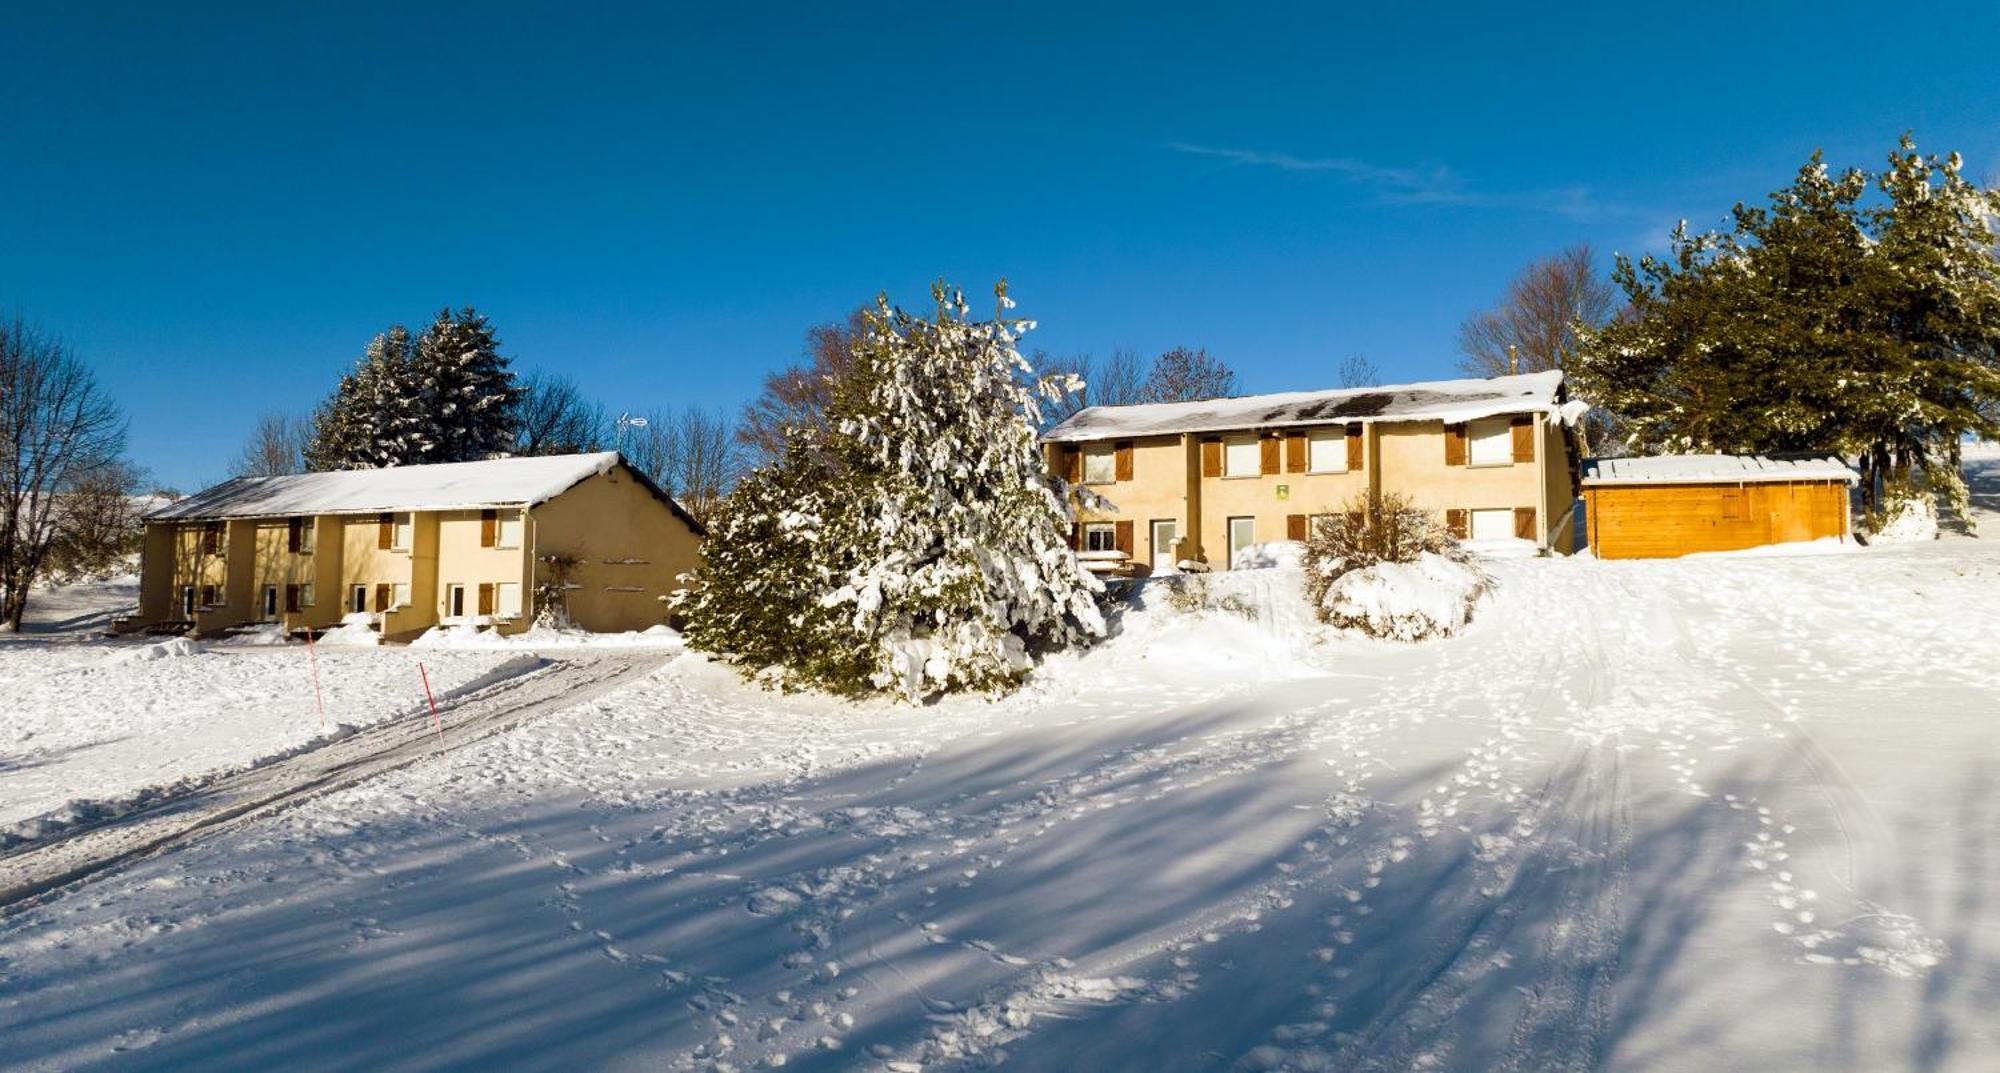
<point>1513,359</point>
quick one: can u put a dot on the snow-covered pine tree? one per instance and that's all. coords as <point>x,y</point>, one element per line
<point>916,544</point>
<point>465,395</point>
<point>367,422</point>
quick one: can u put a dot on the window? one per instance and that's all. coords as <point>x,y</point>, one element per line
<point>1313,523</point>
<point>1242,457</point>
<point>1100,536</point>
<point>357,599</point>
<point>454,601</point>
<point>211,596</point>
<point>270,602</point>
<point>1491,442</point>
<point>1492,524</point>
<point>211,538</point>
<point>1242,534</point>
<point>1100,464</point>
<point>402,534</point>
<point>510,529</point>
<point>298,536</point>
<point>306,594</point>
<point>1327,451</point>
<point>307,528</point>
<point>510,599</point>
<point>399,594</point>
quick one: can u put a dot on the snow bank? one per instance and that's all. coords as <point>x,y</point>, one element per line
<point>1277,553</point>
<point>1431,597</point>
<point>262,634</point>
<point>177,648</point>
<point>1913,520</point>
<point>476,638</point>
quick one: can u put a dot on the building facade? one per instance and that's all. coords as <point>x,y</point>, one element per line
<point>1200,481</point>
<point>414,547</point>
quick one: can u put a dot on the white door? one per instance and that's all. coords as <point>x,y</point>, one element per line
<point>1242,534</point>
<point>1164,535</point>
<point>1492,525</point>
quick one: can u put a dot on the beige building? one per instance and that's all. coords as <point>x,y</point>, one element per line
<point>420,546</point>
<point>1200,481</point>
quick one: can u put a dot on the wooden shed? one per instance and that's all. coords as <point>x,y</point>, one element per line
<point>1672,505</point>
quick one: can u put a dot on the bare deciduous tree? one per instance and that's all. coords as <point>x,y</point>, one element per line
<point>1356,370</point>
<point>98,530</point>
<point>556,419</point>
<point>1183,375</point>
<point>277,446</point>
<point>1540,315</point>
<point>58,431</point>
<point>1112,382</point>
<point>694,453</point>
<point>796,396</point>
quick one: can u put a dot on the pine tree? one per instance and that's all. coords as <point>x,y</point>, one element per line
<point>913,544</point>
<point>464,393</point>
<point>368,421</point>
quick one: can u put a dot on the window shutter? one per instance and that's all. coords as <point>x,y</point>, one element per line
<point>1524,438</point>
<point>292,598</point>
<point>1211,458</point>
<point>1458,523</point>
<point>489,526</point>
<point>211,539</point>
<point>295,535</point>
<point>1076,535</point>
<point>1295,527</point>
<point>1070,463</point>
<point>1454,445</point>
<point>485,597</point>
<point>381,597</point>
<point>1269,448</point>
<point>1122,461</point>
<point>1123,531</point>
<point>1353,447</point>
<point>1295,452</point>
<point>1524,522</point>
<point>385,531</point>
<point>208,596</point>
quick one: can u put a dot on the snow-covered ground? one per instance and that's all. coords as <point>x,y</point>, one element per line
<point>1735,812</point>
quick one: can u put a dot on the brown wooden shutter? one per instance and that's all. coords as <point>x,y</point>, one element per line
<point>1211,458</point>
<point>1524,522</point>
<point>1123,531</point>
<point>1295,527</point>
<point>383,593</point>
<point>1268,448</point>
<point>1121,456</point>
<point>208,596</point>
<point>1076,535</point>
<point>1295,452</point>
<point>1454,445</point>
<point>211,538</point>
<point>485,597</point>
<point>1458,523</point>
<point>292,598</point>
<point>385,531</point>
<point>489,528</point>
<point>1523,428</point>
<point>1071,461</point>
<point>295,535</point>
<point>1354,447</point>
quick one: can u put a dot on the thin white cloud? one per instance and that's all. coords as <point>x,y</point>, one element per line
<point>1413,186</point>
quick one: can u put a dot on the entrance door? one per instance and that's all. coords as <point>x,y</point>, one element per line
<point>1242,534</point>
<point>1165,532</point>
<point>270,604</point>
<point>187,602</point>
<point>454,601</point>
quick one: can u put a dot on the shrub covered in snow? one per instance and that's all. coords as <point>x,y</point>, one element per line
<point>914,545</point>
<point>1389,570</point>
<point>1909,515</point>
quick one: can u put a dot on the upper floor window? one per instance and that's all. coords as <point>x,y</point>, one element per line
<point>1100,464</point>
<point>1327,450</point>
<point>1242,457</point>
<point>1490,442</point>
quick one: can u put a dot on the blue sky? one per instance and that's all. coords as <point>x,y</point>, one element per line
<point>218,207</point>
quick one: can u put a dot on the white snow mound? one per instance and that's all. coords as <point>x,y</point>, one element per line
<point>1431,597</point>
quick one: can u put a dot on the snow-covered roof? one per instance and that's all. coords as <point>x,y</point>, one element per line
<point>446,486</point>
<point>1714,469</point>
<point>1436,400</point>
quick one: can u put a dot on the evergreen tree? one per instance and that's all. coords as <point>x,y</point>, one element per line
<point>465,395</point>
<point>368,421</point>
<point>1818,323</point>
<point>913,543</point>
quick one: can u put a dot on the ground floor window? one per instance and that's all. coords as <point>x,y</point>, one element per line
<point>1493,524</point>
<point>1100,536</point>
<point>357,599</point>
<point>510,599</point>
<point>270,603</point>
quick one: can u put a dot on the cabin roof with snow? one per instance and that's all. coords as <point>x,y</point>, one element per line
<point>499,482</point>
<point>1451,401</point>
<point>1713,469</point>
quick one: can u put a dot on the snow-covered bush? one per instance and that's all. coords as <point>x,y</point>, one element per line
<point>1909,515</point>
<point>1389,570</point>
<point>915,544</point>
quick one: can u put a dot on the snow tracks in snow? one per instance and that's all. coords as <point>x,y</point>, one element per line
<point>33,872</point>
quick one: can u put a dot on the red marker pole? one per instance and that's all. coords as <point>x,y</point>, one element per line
<point>319,701</point>
<point>432,701</point>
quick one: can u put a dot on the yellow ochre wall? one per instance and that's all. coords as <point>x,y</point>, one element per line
<point>631,548</point>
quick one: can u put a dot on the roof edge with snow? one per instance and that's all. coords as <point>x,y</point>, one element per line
<point>1714,469</point>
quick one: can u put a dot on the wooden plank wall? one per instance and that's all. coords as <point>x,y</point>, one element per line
<point>1671,520</point>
